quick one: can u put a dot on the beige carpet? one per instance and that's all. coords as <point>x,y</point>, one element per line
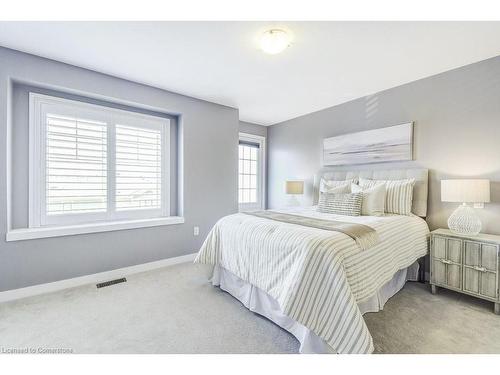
<point>175,310</point>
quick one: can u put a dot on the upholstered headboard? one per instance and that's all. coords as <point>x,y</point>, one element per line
<point>420,175</point>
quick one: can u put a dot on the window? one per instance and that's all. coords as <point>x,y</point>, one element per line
<point>93,163</point>
<point>251,151</point>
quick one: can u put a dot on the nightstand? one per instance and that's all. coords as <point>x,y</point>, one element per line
<point>466,264</point>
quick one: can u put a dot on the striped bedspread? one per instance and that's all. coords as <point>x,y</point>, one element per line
<point>317,276</point>
<point>363,235</point>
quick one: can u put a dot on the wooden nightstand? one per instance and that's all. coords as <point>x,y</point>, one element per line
<point>467,264</point>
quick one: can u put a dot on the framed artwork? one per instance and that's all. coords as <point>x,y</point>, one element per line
<point>393,143</point>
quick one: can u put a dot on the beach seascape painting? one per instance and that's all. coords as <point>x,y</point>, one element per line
<point>392,143</point>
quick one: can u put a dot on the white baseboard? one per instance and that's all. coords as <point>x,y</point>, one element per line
<point>95,278</point>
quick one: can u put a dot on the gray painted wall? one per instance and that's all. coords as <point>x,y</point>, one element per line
<point>457,134</point>
<point>248,127</point>
<point>208,135</point>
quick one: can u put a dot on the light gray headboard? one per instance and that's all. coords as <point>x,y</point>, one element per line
<point>420,175</point>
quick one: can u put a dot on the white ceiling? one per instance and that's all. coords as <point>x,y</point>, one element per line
<point>329,62</point>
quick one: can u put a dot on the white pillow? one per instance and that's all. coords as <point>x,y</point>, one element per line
<point>398,196</point>
<point>341,189</point>
<point>373,199</point>
<point>326,185</point>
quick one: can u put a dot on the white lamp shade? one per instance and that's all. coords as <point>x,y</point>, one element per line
<point>465,191</point>
<point>294,187</point>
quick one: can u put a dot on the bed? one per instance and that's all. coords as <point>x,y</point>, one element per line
<point>316,283</point>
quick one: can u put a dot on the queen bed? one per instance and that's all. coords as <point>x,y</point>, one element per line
<point>314,273</point>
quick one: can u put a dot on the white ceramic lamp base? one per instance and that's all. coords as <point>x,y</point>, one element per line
<point>464,220</point>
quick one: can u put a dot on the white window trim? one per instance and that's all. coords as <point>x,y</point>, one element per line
<point>140,218</point>
<point>97,227</point>
<point>261,204</point>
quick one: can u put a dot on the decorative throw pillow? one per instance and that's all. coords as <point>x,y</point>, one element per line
<point>373,199</point>
<point>340,204</point>
<point>341,189</point>
<point>398,196</point>
<point>326,185</point>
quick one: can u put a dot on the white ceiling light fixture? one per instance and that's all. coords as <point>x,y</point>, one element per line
<point>274,41</point>
<point>337,61</point>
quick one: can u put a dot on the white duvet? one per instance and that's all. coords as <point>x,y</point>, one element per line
<point>317,276</point>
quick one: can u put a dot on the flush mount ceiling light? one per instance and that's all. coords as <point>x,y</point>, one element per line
<point>274,41</point>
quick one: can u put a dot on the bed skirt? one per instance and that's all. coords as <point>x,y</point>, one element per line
<point>260,302</point>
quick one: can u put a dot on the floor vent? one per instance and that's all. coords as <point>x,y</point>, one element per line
<point>112,282</point>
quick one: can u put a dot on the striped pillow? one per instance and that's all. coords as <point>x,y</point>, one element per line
<point>398,196</point>
<point>340,204</point>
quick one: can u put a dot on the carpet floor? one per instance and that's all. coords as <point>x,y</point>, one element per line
<point>175,310</point>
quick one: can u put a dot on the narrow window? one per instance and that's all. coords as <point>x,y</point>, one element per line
<point>251,182</point>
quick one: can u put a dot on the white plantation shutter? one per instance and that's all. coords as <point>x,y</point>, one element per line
<point>93,163</point>
<point>138,168</point>
<point>76,165</point>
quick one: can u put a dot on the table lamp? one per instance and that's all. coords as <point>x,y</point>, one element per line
<point>464,219</point>
<point>294,188</point>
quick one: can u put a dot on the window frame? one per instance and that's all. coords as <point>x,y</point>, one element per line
<point>261,172</point>
<point>39,106</point>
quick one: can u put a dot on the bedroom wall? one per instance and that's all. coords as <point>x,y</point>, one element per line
<point>207,137</point>
<point>456,134</point>
<point>248,127</point>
